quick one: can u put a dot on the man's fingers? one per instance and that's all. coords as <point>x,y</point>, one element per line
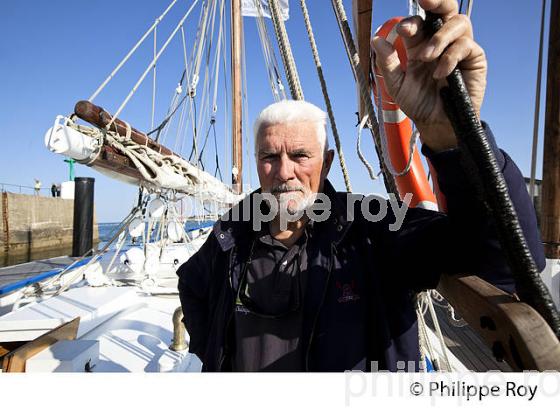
<point>464,52</point>
<point>457,27</point>
<point>410,30</point>
<point>387,61</point>
<point>445,8</point>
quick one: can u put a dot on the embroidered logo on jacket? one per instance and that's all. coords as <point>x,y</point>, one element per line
<point>348,294</point>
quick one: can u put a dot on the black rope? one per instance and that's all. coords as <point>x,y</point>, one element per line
<point>217,170</point>
<point>490,183</point>
<point>461,6</point>
<point>204,144</point>
<point>162,125</point>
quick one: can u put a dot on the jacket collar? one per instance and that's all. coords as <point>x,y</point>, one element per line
<point>231,231</point>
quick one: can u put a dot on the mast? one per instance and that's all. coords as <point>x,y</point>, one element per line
<point>237,113</point>
<point>551,156</point>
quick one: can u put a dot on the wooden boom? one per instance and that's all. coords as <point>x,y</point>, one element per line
<point>513,330</point>
<point>97,116</point>
<point>110,158</point>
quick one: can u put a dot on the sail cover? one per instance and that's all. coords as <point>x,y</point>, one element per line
<point>249,8</point>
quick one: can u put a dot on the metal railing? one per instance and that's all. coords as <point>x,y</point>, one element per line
<point>22,189</point>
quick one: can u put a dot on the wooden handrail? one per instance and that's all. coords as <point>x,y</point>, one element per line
<point>513,330</point>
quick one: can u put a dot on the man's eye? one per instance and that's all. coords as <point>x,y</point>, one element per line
<point>301,155</point>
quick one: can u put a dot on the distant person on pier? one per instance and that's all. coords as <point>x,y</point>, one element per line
<point>37,187</point>
<point>53,190</point>
<point>58,189</point>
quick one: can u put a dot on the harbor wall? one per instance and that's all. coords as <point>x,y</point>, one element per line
<point>31,223</point>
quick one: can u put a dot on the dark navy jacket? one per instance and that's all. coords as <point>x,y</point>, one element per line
<point>362,277</point>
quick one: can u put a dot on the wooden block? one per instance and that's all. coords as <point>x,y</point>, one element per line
<point>15,360</point>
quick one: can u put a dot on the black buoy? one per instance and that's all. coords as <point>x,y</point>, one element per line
<point>82,236</point>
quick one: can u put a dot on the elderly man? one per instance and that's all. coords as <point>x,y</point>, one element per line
<point>338,293</point>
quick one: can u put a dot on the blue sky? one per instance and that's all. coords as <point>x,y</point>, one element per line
<point>54,53</point>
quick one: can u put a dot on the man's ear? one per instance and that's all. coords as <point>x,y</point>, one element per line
<point>327,162</point>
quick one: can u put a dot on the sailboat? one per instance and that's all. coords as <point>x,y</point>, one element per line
<point>118,309</point>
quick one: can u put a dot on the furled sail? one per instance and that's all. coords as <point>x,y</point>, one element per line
<point>129,155</point>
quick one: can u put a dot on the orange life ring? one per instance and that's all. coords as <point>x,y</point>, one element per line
<point>398,131</point>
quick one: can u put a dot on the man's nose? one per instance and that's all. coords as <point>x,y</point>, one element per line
<point>285,170</point>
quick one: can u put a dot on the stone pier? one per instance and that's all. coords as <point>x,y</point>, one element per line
<point>30,224</point>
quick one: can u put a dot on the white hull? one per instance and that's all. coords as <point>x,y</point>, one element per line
<point>128,321</point>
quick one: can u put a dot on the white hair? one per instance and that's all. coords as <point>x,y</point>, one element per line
<point>288,111</point>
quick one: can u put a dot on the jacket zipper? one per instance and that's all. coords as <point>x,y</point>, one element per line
<point>225,352</point>
<point>323,297</point>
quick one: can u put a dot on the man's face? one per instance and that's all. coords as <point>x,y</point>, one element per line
<point>291,163</point>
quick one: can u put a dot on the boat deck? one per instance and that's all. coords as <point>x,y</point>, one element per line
<point>466,345</point>
<point>463,342</point>
<point>11,276</point>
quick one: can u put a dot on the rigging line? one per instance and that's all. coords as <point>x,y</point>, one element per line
<point>264,40</point>
<point>461,7</point>
<point>423,337</point>
<point>204,145</point>
<point>204,103</point>
<point>271,54</point>
<point>211,32</point>
<point>275,66</point>
<point>352,53</point>
<point>194,148</point>
<point>325,91</point>
<point>145,73</point>
<point>169,109</point>
<point>200,48</point>
<point>154,81</point>
<point>437,329</point>
<point>183,125</point>
<point>469,8</point>
<point>184,78</point>
<point>199,118</point>
<point>285,51</point>
<point>217,60</point>
<point>131,52</point>
<point>264,50</point>
<point>159,128</point>
<point>206,89</point>
<point>169,119</point>
<point>227,118</point>
<point>361,156</point>
<point>537,108</point>
<point>196,40</point>
<point>216,157</point>
<point>175,106</point>
<point>186,72</point>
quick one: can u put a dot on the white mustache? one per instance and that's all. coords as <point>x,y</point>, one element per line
<point>286,188</point>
